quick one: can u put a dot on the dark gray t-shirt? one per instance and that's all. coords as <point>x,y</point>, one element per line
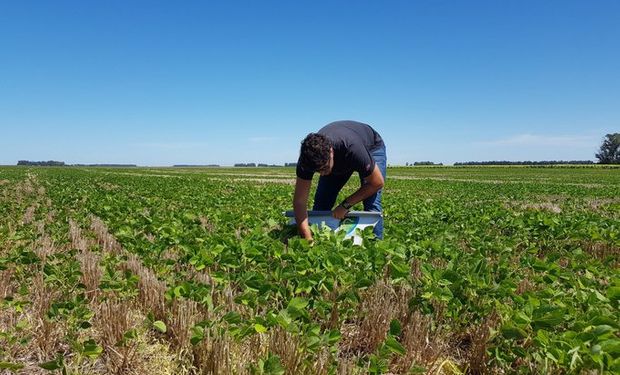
<point>352,143</point>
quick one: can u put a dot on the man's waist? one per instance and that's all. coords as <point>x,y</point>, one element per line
<point>377,145</point>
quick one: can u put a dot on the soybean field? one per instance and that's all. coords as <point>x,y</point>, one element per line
<point>497,270</point>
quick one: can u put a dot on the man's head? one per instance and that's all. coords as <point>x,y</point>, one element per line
<point>316,154</point>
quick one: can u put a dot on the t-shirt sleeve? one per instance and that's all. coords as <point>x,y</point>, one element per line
<point>360,160</point>
<point>303,173</point>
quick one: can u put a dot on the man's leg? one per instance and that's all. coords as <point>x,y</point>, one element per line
<point>327,191</point>
<point>373,203</point>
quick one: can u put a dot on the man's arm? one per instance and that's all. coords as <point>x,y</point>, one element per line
<point>300,206</point>
<point>372,184</point>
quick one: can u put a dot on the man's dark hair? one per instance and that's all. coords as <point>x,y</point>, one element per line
<point>314,153</point>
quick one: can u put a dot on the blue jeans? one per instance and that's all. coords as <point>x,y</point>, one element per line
<point>329,187</point>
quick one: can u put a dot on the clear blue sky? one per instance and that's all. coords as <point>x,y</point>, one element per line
<point>161,82</point>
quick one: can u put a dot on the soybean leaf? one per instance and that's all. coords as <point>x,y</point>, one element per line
<point>160,326</point>
<point>394,346</point>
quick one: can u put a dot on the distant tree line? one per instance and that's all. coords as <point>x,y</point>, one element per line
<point>49,163</point>
<point>256,165</point>
<point>196,165</point>
<point>422,163</point>
<point>105,165</point>
<point>543,162</point>
<point>609,153</point>
<point>53,163</point>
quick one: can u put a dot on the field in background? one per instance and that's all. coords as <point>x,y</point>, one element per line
<point>169,270</point>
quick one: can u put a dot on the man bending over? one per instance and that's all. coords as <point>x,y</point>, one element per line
<point>335,152</point>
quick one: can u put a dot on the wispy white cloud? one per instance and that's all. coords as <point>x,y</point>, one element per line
<point>544,140</point>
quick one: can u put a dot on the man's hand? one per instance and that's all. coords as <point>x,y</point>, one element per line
<point>300,203</point>
<point>308,236</point>
<point>339,212</point>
